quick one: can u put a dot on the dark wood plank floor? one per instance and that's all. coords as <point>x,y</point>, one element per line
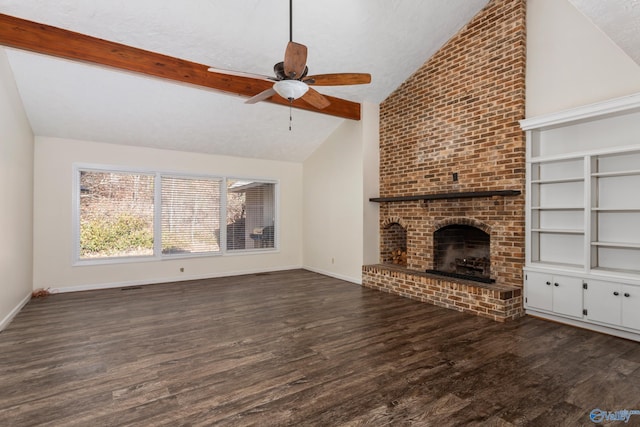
<point>298,348</point>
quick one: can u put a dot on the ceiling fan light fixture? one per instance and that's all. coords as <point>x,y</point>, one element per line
<point>290,89</point>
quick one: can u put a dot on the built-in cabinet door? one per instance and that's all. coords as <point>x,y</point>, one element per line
<point>602,301</point>
<point>567,295</point>
<point>559,294</point>
<point>538,290</point>
<point>631,306</point>
<point>613,303</point>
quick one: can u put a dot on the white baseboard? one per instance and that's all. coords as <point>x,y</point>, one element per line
<point>9,317</point>
<point>181,278</point>
<point>356,280</point>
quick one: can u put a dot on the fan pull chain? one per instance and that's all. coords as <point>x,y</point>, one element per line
<point>290,112</point>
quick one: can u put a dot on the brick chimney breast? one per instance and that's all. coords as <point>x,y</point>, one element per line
<point>453,127</point>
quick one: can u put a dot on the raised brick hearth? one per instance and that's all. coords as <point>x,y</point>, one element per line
<point>497,302</point>
<point>453,127</point>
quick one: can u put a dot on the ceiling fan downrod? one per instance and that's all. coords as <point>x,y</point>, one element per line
<point>290,20</point>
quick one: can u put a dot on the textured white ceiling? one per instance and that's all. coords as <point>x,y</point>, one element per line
<point>388,38</point>
<point>619,19</point>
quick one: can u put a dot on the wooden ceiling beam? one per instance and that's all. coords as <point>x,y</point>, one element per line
<point>45,39</point>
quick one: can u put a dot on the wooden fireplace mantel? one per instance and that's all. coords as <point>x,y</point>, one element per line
<point>453,195</point>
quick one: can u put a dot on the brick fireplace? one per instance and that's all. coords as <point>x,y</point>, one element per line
<point>451,130</point>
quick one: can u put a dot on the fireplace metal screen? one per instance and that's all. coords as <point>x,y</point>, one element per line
<point>462,251</point>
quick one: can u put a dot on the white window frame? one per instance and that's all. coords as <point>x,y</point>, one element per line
<point>157,216</point>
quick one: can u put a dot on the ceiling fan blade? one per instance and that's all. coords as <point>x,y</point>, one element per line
<point>295,60</point>
<point>313,97</point>
<point>338,79</point>
<point>238,73</point>
<point>265,94</point>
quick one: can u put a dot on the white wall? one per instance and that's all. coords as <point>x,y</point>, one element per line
<point>54,159</point>
<point>570,62</point>
<point>16,198</point>
<point>371,182</point>
<point>337,213</point>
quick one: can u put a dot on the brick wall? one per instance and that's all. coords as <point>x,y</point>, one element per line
<point>459,114</point>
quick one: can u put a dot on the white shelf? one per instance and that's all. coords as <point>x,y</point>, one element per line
<point>626,272</point>
<point>610,151</point>
<point>557,265</point>
<point>617,245</point>
<point>554,158</point>
<point>556,181</point>
<point>557,231</point>
<point>557,208</point>
<point>613,210</point>
<point>615,173</point>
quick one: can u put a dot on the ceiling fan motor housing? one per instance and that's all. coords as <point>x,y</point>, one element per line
<point>278,70</point>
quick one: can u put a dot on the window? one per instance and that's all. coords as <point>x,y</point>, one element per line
<point>250,215</point>
<point>190,215</point>
<point>126,214</point>
<point>116,214</point>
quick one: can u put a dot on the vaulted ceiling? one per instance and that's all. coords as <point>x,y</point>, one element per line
<point>388,39</point>
<point>618,19</point>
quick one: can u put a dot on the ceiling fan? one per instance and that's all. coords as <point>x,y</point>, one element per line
<point>291,79</point>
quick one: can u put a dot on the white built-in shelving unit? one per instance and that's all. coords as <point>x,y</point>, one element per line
<point>583,216</point>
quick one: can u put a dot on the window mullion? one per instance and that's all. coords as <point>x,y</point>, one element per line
<point>157,216</point>
<point>223,216</point>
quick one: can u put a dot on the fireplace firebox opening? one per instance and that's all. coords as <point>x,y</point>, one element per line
<point>462,251</point>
